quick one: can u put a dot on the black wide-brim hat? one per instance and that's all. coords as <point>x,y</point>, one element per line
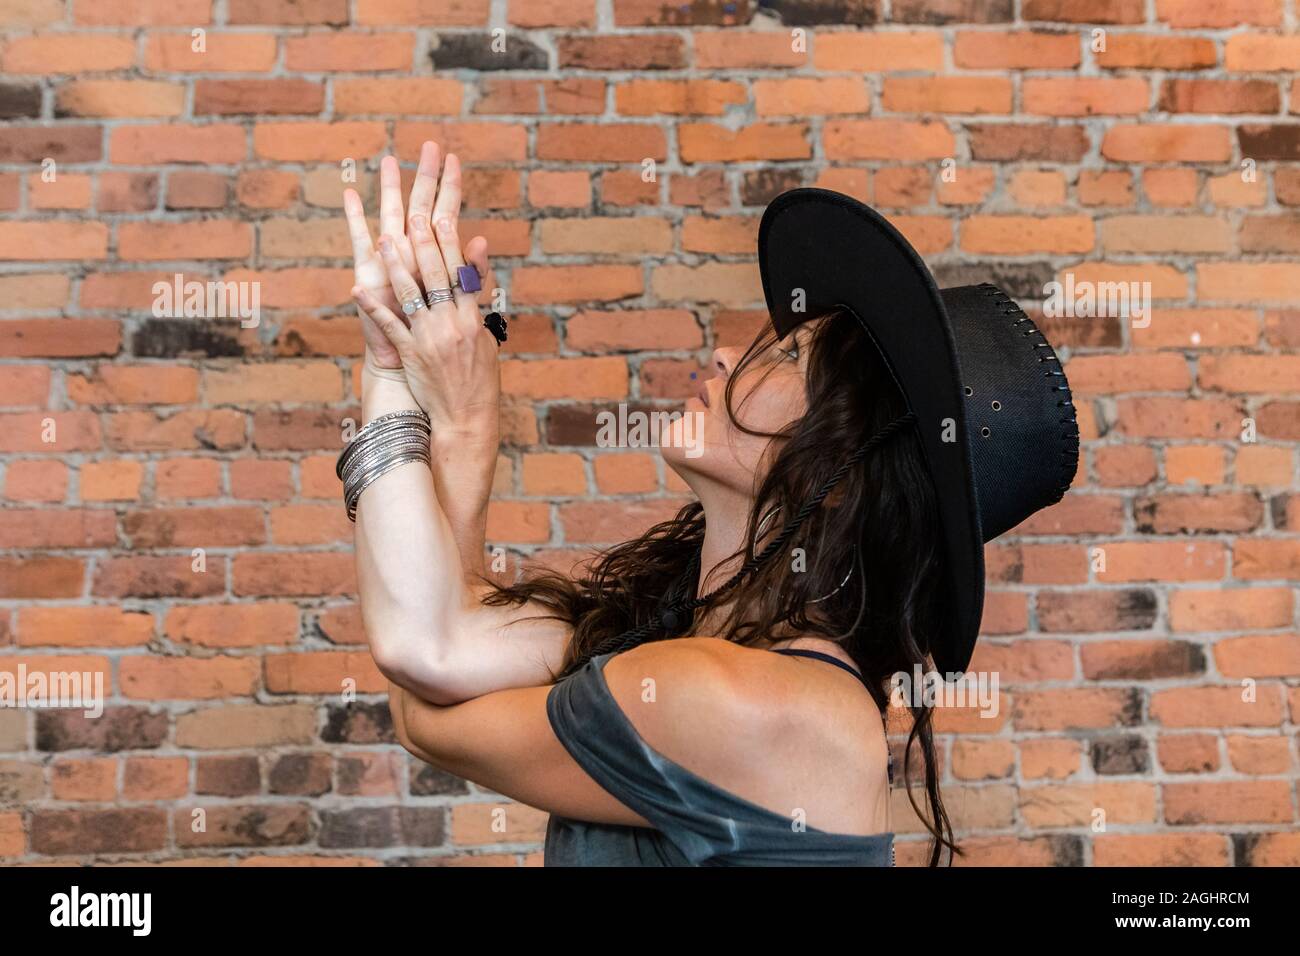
<point>994,412</point>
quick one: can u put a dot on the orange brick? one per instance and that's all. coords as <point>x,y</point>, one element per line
<point>1194,464</point>
<point>148,677</point>
<point>330,53</point>
<point>53,240</point>
<point>111,480</point>
<point>67,53</point>
<point>120,98</point>
<point>559,473</point>
<point>233,625</point>
<point>1025,50</point>
<point>860,51</point>
<point>221,53</point>
<point>86,779</point>
<point>946,94</point>
<point>36,481</point>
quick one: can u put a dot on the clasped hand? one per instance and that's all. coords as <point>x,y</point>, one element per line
<point>442,352</point>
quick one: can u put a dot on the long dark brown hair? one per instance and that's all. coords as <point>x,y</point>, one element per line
<point>882,522</point>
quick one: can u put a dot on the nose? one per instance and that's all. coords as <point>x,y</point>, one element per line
<point>724,361</point>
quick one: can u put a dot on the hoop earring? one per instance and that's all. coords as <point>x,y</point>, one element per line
<point>762,526</point>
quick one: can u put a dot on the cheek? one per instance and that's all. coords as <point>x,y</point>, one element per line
<point>774,403</point>
<point>768,407</point>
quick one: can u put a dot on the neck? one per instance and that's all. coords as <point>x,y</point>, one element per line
<point>726,519</point>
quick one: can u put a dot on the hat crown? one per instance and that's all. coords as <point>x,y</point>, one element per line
<point>1020,416</point>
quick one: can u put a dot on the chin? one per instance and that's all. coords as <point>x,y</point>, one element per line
<point>683,449</point>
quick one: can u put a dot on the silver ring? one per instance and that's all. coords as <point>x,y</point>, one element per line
<point>434,296</point>
<point>411,306</point>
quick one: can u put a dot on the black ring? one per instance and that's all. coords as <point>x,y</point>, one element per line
<point>496,324</point>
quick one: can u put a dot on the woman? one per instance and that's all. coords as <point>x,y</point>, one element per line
<point>744,725</point>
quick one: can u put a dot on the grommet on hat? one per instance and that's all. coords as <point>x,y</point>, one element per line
<point>993,406</point>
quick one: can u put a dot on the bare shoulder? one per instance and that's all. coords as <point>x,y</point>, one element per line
<point>779,731</point>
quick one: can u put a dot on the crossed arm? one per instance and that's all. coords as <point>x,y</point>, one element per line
<point>468,682</point>
<point>420,531</point>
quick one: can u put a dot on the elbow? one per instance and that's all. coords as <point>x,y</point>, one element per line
<point>418,664</point>
<point>407,661</point>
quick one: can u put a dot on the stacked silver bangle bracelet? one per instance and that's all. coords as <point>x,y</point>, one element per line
<point>382,445</point>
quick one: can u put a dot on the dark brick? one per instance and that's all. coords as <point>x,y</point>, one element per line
<point>1270,141</point>
<point>118,728</point>
<point>1081,332</point>
<point>127,192</point>
<point>1028,141</point>
<point>473,51</point>
<point>655,13</point>
<point>758,187</point>
<point>1279,507</point>
<point>646,51</point>
<point>382,827</point>
<point>358,723</point>
<point>1175,659</point>
<point>938,12</point>
<point>1067,850</point>
<point>1072,11</point>
<point>1092,611</point>
<point>577,425</point>
<point>227,776</point>
<point>84,832</point>
<point>1113,756</point>
<point>19,100</point>
<point>805,13</point>
<point>1020,280</point>
<point>428,781</point>
<point>253,825</point>
<point>304,775</point>
<point>175,338</point>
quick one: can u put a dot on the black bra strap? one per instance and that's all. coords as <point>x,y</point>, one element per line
<point>818,655</point>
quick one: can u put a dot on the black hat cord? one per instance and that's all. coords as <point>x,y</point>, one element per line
<point>675,614</point>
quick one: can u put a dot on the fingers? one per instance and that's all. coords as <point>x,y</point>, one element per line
<point>425,186</point>
<point>390,197</point>
<point>428,257</point>
<point>405,287</point>
<point>358,230</point>
<point>385,319</point>
<point>391,218</point>
<point>446,216</point>
<point>446,227</point>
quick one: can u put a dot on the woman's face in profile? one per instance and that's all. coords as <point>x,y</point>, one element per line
<point>768,395</point>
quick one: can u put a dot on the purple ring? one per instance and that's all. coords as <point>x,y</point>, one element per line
<point>467,278</point>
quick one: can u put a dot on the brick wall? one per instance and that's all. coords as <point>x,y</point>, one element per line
<point>999,136</point>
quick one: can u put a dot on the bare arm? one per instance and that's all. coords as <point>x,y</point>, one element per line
<point>419,532</point>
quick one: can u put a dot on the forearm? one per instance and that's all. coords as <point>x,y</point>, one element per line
<point>409,573</point>
<point>427,630</point>
<point>463,468</point>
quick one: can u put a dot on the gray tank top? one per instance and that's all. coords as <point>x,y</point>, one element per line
<point>694,822</point>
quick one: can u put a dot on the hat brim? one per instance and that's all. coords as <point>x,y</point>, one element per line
<point>842,253</point>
